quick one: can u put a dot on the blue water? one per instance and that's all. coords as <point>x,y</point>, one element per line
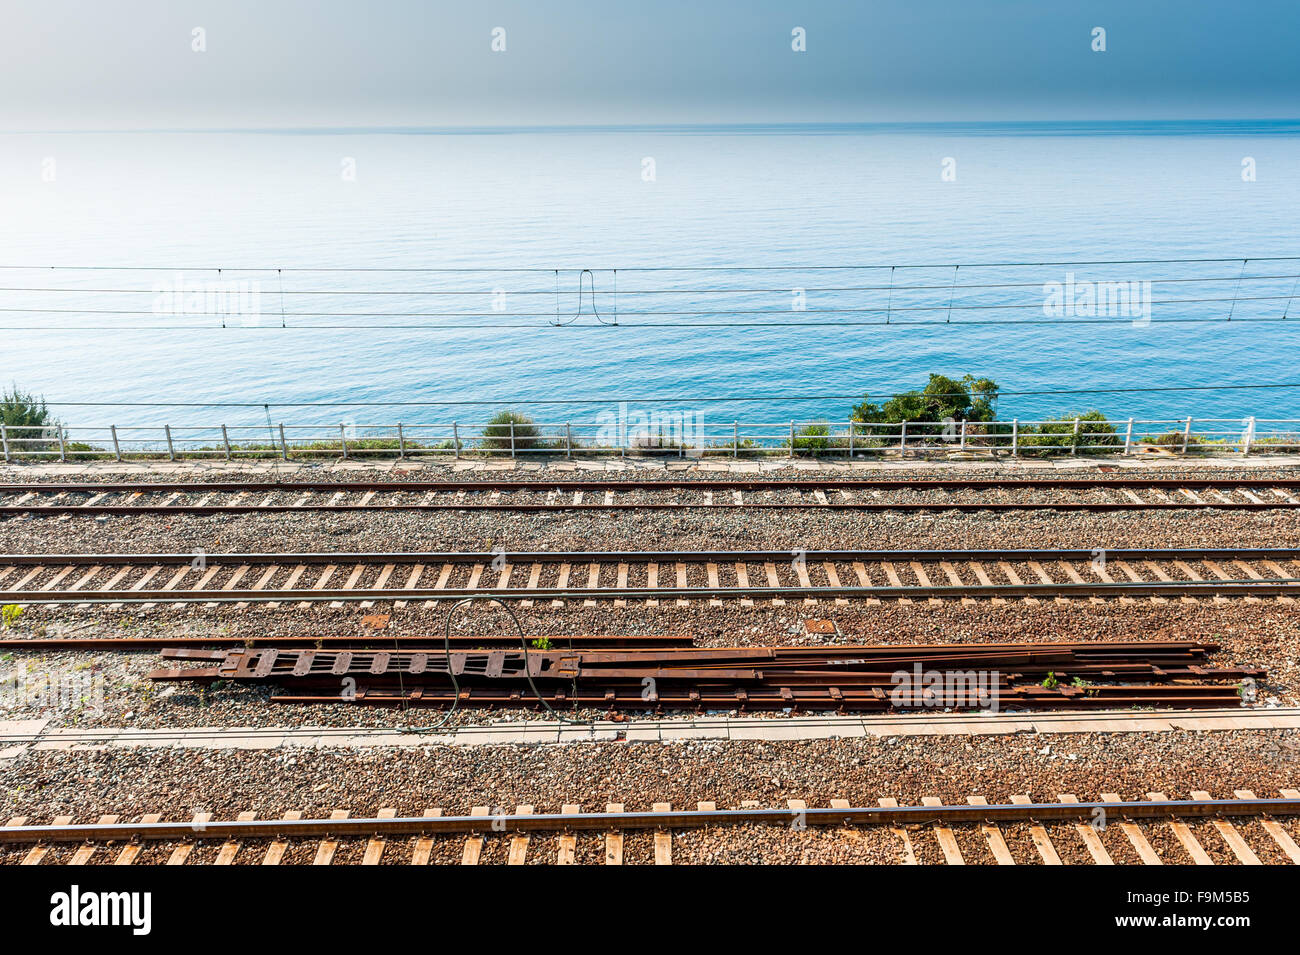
<point>576,199</point>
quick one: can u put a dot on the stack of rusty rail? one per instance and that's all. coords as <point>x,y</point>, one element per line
<point>1098,674</point>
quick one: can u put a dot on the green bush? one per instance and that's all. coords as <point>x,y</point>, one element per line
<point>1169,439</point>
<point>942,399</point>
<point>813,438</point>
<point>19,409</point>
<point>1094,430</point>
<point>496,435</point>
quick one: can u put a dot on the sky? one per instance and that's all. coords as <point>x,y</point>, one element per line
<point>137,64</point>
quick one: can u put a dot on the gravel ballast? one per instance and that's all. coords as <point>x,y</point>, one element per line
<point>180,782</point>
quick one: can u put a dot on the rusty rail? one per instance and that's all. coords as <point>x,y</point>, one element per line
<point>304,578</point>
<point>839,678</point>
<point>899,816</point>
<point>32,498</point>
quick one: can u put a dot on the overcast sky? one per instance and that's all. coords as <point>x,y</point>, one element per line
<point>87,64</point>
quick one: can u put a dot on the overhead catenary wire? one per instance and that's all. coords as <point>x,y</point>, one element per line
<point>682,326</point>
<point>708,310</point>
<point>655,268</point>
<point>694,399</point>
<point>690,290</point>
<point>571,324</point>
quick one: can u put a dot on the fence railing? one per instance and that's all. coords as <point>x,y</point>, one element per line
<point>693,439</point>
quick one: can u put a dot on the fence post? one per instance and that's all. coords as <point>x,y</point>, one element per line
<point>1250,433</point>
<point>63,449</point>
<point>735,439</point>
<point>4,439</point>
<point>512,438</point>
<point>455,441</point>
<point>902,440</point>
<point>568,440</point>
<point>401,441</point>
<point>1015,437</point>
<point>343,438</point>
<point>791,440</point>
<point>1128,437</point>
<point>117,448</point>
<point>852,429</point>
<point>962,446</point>
<point>225,439</point>
<point>284,445</point>
<point>1187,433</point>
<point>171,450</point>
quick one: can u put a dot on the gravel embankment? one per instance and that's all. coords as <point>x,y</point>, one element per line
<point>1250,634</point>
<point>810,530</point>
<point>179,784</point>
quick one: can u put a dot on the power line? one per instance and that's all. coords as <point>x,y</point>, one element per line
<point>684,326</point>
<point>875,310</point>
<point>673,291</point>
<point>664,398</point>
<point>654,268</point>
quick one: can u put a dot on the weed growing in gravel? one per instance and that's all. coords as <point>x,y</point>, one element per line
<point>509,430</point>
<point>9,615</point>
<point>1050,682</point>
<point>1080,683</point>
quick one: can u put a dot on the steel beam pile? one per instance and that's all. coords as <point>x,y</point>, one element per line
<point>824,678</point>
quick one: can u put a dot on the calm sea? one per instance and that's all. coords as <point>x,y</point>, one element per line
<point>561,201</point>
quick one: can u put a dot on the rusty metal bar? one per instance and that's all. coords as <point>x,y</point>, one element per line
<point>650,484</point>
<point>214,830</point>
<point>1085,555</point>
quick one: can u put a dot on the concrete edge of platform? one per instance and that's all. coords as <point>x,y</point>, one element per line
<point>614,465</point>
<point>22,736</point>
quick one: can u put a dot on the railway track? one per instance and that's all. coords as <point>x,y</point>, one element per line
<point>995,677</point>
<point>1245,830</point>
<point>865,494</point>
<point>456,641</point>
<point>656,577</point>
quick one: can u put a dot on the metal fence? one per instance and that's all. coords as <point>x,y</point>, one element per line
<point>686,439</point>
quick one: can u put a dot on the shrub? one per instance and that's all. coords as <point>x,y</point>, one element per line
<point>1094,430</point>
<point>19,409</point>
<point>24,410</point>
<point>496,435</point>
<point>942,399</point>
<point>813,438</point>
<point>1170,439</point>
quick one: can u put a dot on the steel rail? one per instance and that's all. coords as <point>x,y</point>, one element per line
<point>430,488</point>
<point>169,510</point>
<point>1277,582</point>
<point>648,556</point>
<point>651,484</point>
<point>675,819</point>
<point>1263,587</point>
<point>625,642</point>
